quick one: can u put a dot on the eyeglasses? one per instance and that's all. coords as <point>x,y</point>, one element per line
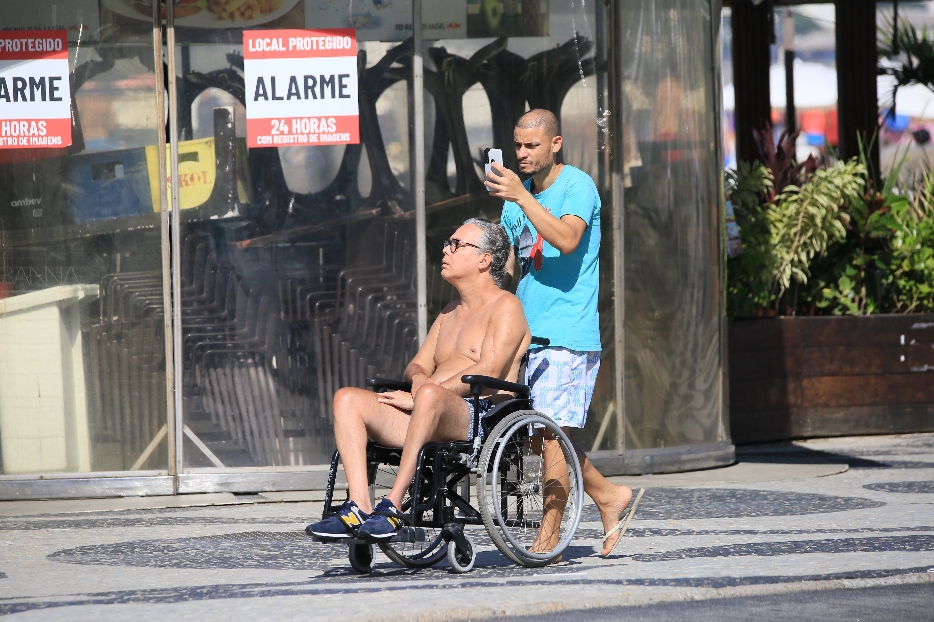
<point>455,244</point>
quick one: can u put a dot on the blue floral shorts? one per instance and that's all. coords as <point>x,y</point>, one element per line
<point>485,407</point>
<point>562,383</point>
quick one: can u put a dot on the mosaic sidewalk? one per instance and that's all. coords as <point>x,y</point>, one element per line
<point>851,513</point>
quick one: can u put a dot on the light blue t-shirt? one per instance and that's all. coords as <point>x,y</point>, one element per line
<point>560,300</point>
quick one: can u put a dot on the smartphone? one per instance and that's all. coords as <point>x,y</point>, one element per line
<point>490,156</point>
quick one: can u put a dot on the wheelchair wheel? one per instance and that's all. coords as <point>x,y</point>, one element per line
<point>418,554</point>
<point>512,492</point>
<point>462,561</point>
<point>361,557</point>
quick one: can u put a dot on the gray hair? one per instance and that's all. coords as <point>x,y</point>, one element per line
<point>493,240</point>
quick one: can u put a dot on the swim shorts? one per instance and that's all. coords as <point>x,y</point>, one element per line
<point>562,383</point>
<point>485,407</point>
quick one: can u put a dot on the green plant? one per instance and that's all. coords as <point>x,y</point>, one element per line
<point>851,278</point>
<point>911,269</point>
<point>782,237</point>
<point>834,242</point>
<point>874,251</point>
<point>806,219</point>
<point>779,159</point>
<point>748,279</point>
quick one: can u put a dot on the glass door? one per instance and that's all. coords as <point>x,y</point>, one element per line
<point>297,255</point>
<point>82,317</point>
<point>508,58</point>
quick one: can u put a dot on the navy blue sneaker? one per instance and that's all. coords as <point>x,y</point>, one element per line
<point>383,523</point>
<point>344,524</point>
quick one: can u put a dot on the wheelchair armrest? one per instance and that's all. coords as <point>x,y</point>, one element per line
<point>478,383</point>
<point>388,383</point>
<point>540,341</point>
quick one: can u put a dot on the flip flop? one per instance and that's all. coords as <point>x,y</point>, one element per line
<point>623,524</point>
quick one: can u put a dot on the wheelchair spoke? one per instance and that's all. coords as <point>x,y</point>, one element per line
<point>531,495</point>
<point>425,550</point>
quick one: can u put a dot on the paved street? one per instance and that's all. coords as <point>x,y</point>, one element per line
<point>889,602</point>
<point>795,524</point>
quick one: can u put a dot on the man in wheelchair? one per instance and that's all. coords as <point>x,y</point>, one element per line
<point>484,332</point>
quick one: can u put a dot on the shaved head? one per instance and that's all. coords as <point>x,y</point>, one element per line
<point>539,117</point>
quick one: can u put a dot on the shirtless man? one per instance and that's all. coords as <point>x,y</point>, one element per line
<point>484,332</point>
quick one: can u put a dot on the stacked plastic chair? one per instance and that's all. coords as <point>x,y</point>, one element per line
<point>127,355</point>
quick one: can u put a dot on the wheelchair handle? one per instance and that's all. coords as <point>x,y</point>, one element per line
<point>478,383</point>
<point>388,383</point>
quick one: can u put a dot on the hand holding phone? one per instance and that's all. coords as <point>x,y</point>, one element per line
<point>490,156</point>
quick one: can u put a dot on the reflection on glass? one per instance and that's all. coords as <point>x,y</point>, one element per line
<point>82,360</point>
<point>671,206</point>
<point>476,89</point>
<point>302,280</point>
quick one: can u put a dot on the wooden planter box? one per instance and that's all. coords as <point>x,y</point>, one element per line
<point>804,377</point>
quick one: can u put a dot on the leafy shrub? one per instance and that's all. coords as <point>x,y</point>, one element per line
<point>748,279</point>
<point>805,220</point>
<point>781,237</point>
<point>832,245</point>
<point>833,239</point>
<point>910,279</point>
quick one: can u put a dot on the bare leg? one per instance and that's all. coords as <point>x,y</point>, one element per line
<point>556,490</point>
<point>357,415</point>
<point>439,415</point>
<point>611,500</point>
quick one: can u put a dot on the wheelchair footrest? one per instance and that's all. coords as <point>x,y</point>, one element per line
<point>406,534</point>
<point>326,540</point>
<point>409,534</point>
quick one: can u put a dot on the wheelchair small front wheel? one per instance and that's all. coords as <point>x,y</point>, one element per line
<point>361,557</point>
<point>462,561</point>
<point>531,490</point>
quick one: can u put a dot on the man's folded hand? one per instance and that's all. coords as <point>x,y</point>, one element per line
<point>400,399</point>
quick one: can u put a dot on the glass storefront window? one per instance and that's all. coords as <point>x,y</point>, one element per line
<point>305,281</point>
<point>82,342</point>
<point>548,55</point>
<point>293,267</point>
<point>672,205</point>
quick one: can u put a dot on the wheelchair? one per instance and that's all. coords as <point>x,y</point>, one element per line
<point>503,473</point>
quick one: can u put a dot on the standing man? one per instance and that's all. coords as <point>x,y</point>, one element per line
<point>554,220</point>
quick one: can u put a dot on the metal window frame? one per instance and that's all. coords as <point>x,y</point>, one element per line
<point>418,120</point>
<point>164,219</point>
<point>176,447</point>
<point>618,201</point>
<point>716,35</point>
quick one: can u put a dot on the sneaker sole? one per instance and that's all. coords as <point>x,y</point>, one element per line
<point>370,536</point>
<point>323,534</point>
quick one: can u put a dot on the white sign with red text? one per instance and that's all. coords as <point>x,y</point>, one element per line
<point>301,87</point>
<point>35,97</point>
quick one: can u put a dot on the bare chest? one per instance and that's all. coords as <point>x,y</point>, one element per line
<point>462,335</point>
